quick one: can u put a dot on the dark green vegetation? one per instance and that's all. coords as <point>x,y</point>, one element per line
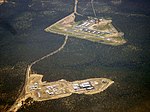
<point>127,65</point>
<point>17,44</point>
<point>11,81</point>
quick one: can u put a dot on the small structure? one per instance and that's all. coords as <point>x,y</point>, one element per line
<point>50,93</point>
<point>39,94</point>
<point>34,86</point>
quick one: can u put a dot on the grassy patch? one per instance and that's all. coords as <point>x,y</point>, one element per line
<point>102,27</point>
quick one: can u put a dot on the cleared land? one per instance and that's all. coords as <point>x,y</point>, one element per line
<point>93,29</point>
<point>41,91</point>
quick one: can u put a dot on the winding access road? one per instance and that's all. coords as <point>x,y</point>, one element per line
<point>24,94</point>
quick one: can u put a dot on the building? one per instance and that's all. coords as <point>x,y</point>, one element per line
<point>81,86</point>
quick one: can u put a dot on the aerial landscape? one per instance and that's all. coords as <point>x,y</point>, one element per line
<point>74,56</point>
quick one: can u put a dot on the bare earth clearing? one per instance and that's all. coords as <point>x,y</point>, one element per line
<point>93,29</point>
